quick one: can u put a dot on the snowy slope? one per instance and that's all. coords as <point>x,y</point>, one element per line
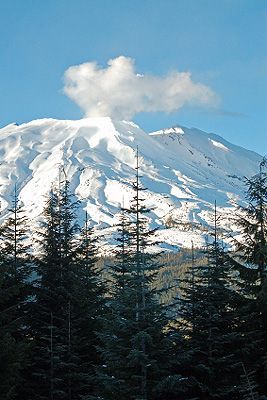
<point>185,171</point>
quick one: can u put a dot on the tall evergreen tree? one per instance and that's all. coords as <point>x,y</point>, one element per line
<point>54,298</point>
<point>207,340</point>
<point>252,222</point>
<point>68,306</point>
<point>133,347</point>
<point>251,261</point>
<point>15,291</point>
<point>88,309</point>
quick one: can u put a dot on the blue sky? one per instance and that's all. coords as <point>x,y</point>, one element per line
<point>222,43</point>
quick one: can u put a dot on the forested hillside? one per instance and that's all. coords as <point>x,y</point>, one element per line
<point>139,324</point>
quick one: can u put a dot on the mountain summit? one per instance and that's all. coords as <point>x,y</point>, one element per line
<point>185,171</point>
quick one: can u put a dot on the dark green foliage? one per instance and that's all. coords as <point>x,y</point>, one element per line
<point>88,308</point>
<point>252,250</point>
<point>68,305</point>
<point>207,340</point>
<point>248,387</point>
<point>53,303</point>
<point>252,221</point>
<point>15,291</point>
<point>133,346</point>
<point>66,335</point>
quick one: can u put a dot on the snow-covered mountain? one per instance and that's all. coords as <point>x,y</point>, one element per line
<point>185,171</point>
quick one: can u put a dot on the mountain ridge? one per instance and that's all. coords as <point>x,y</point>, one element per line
<point>185,171</point>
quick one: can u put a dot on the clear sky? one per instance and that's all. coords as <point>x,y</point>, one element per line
<point>222,43</point>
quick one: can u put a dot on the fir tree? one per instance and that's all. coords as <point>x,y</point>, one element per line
<point>15,291</point>
<point>69,303</point>
<point>207,339</point>
<point>252,222</point>
<point>133,347</point>
<point>251,261</point>
<point>88,309</point>
<point>52,362</point>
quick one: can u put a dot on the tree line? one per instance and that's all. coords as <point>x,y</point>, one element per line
<point>69,331</point>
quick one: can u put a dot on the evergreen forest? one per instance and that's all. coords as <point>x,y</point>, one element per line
<point>140,325</point>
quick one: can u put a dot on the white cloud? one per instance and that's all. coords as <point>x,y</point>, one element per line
<point>120,92</point>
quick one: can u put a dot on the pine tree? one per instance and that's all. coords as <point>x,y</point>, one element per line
<point>15,291</point>
<point>252,222</point>
<point>251,261</point>
<point>88,309</point>
<point>55,289</point>
<point>68,306</point>
<point>207,339</point>
<point>133,345</point>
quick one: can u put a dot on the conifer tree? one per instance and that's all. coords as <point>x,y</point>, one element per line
<point>15,291</point>
<point>133,345</point>
<point>207,340</point>
<point>251,261</point>
<point>54,299</point>
<point>69,303</point>
<point>88,309</point>
<point>252,222</point>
